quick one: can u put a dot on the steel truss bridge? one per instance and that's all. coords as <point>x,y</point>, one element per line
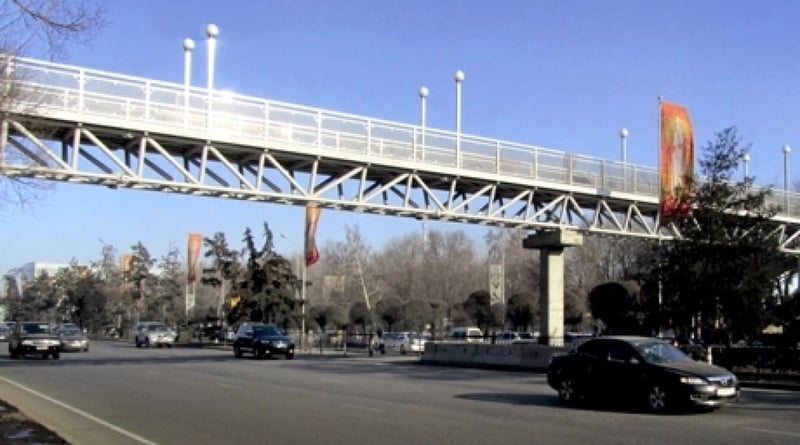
<point>73,124</point>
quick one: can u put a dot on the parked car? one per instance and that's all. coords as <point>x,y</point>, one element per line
<point>223,334</point>
<point>263,340</point>
<point>468,334</point>
<point>515,337</point>
<point>402,342</point>
<point>4,332</point>
<point>33,338</point>
<point>640,370</point>
<point>73,339</point>
<point>153,333</point>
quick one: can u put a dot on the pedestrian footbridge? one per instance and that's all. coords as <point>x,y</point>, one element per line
<point>74,124</point>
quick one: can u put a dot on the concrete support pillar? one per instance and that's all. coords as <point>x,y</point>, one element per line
<point>551,244</point>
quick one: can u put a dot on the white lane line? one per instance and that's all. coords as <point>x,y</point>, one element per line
<point>363,408</point>
<point>79,412</point>
<point>782,433</point>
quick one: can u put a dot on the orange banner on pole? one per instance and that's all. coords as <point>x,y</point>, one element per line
<point>193,255</point>
<point>676,162</point>
<point>127,269</point>
<point>312,218</point>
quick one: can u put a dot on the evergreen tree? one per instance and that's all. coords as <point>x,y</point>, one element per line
<point>719,278</point>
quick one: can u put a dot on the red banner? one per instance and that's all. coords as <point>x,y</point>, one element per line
<point>676,162</point>
<point>312,218</point>
<point>193,255</point>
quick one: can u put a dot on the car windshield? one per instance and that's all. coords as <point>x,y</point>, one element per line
<point>157,327</point>
<point>268,330</point>
<point>36,328</point>
<point>660,352</point>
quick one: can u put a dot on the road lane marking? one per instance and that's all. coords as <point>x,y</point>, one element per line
<point>781,433</point>
<point>363,408</point>
<point>98,420</point>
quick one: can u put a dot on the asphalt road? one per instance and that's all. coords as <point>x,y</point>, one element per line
<point>117,394</point>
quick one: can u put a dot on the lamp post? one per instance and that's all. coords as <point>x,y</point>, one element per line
<point>303,274</point>
<point>746,162</point>
<point>459,77</point>
<point>188,47</point>
<point>211,32</point>
<point>623,145</point>
<point>623,149</point>
<point>423,94</point>
<point>786,151</point>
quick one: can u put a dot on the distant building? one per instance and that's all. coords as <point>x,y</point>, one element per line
<point>30,271</point>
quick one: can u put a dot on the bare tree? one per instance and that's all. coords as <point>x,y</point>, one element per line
<point>356,262</point>
<point>43,28</point>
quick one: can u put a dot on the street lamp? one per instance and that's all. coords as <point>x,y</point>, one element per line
<point>623,145</point>
<point>786,151</point>
<point>423,94</point>
<point>303,273</point>
<point>188,47</point>
<point>459,77</point>
<point>211,32</point>
<point>746,162</point>
<point>623,148</point>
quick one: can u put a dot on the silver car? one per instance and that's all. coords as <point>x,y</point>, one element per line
<point>73,339</point>
<point>402,342</point>
<point>153,333</point>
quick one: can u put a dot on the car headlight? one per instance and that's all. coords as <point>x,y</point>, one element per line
<point>693,381</point>
<point>27,342</point>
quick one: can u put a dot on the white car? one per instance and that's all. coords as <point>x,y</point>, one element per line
<point>402,342</point>
<point>153,333</point>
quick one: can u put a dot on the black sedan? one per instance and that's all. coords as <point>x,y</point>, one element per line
<point>263,340</point>
<point>639,369</point>
<point>33,338</point>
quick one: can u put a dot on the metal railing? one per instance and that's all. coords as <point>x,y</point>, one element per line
<point>85,95</point>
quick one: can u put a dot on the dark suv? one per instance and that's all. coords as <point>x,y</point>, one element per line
<point>34,338</point>
<point>263,340</point>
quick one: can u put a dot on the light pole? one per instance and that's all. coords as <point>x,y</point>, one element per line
<point>746,162</point>
<point>459,77</point>
<point>623,145</point>
<point>423,94</point>
<point>188,47</point>
<point>303,273</point>
<point>786,151</point>
<point>623,149</point>
<point>211,32</point>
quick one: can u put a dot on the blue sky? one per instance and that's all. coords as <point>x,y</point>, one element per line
<point>563,74</point>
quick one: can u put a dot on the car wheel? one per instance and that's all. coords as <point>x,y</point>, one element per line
<point>402,350</point>
<point>169,345</point>
<point>45,355</point>
<point>86,349</point>
<point>566,390</point>
<point>12,352</point>
<point>289,355</point>
<point>138,343</point>
<point>56,355</point>
<point>146,342</point>
<point>237,352</point>
<point>657,399</point>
